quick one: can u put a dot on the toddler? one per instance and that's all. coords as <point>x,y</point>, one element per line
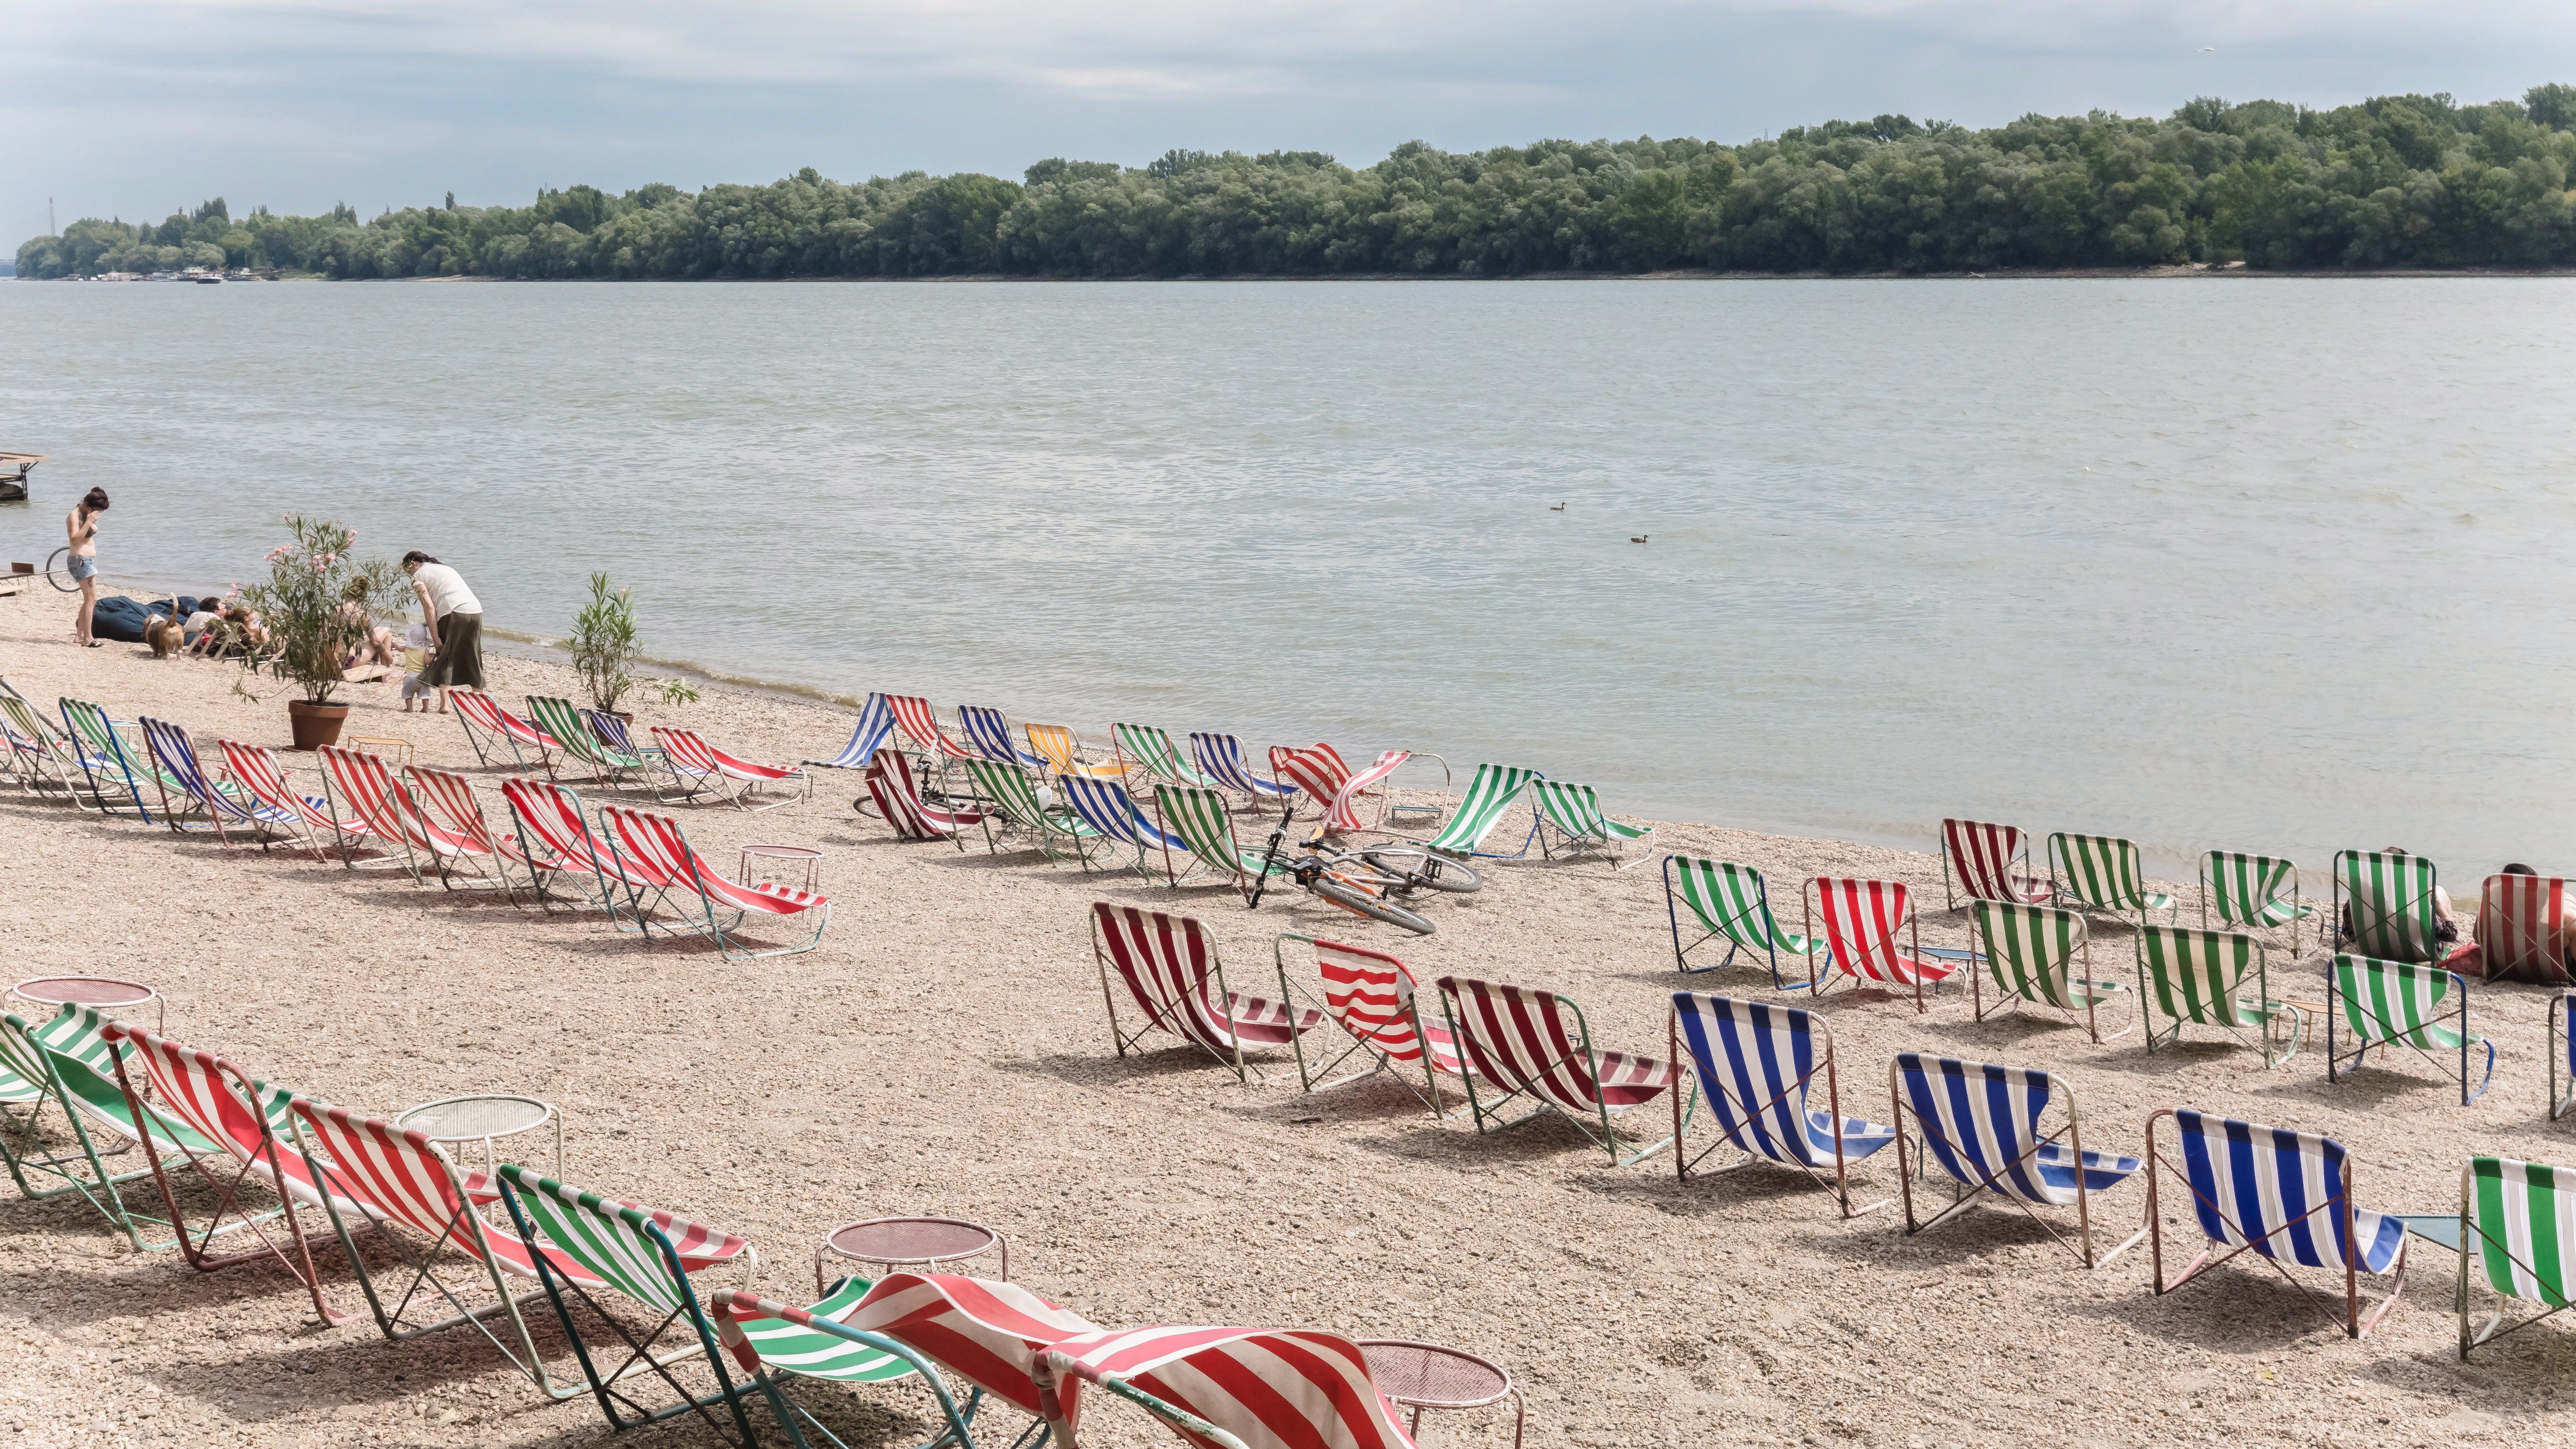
<point>417,647</point>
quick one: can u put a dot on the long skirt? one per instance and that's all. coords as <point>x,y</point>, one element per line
<point>459,664</point>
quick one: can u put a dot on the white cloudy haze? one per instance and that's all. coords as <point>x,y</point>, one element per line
<point>136,109</point>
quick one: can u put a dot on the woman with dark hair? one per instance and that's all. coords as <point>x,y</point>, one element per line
<point>456,617</point>
<point>82,527</point>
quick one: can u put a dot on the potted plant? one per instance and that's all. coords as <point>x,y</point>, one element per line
<point>313,617</point>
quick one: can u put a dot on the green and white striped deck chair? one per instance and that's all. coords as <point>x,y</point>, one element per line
<point>1732,901</point>
<point>2103,873</point>
<point>2252,893</point>
<point>68,1064</point>
<point>1490,791</point>
<point>114,769</point>
<point>2191,977</point>
<point>1010,801</point>
<point>46,761</point>
<point>1147,750</point>
<point>2518,1228</point>
<point>1572,814</point>
<point>2032,954</point>
<point>2384,902</point>
<point>1198,815</point>
<point>2400,1003</point>
<point>569,723</point>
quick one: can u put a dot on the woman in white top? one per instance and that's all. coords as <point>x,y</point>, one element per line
<point>456,617</point>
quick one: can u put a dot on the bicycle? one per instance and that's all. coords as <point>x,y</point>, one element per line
<point>1362,881</point>
<point>58,570</point>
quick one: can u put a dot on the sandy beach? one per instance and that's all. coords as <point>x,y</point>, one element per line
<point>945,1051</point>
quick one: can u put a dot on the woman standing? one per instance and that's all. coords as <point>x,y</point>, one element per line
<point>82,527</point>
<point>456,617</point>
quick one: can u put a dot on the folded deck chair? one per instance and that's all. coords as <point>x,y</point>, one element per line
<point>988,734</point>
<point>1062,751</point>
<point>1571,814</point>
<point>1339,791</point>
<point>1220,758</point>
<point>1758,1066</point>
<point>1010,803</point>
<point>1981,1125</point>
<point>550,822</point>
<point>2385,905</point>
<point>489,729</point>
<point>1371,996</point>
<point>114,778</point>
<point>2104,873</point>
<point>65,1064</point>
<point>1146,753</point>
<point>175,760</point>
<point>2518,1230</point>
<point>2285,1196</point>
<point>1731,901</point>
<point>694,767</point>
<point>874,727</point>
<point>653,849</point>
<point>2518,929</point>
<point>1527,1042</point>
<point>2197,978</point>
<point>2252,893</point>
<point>1490,791</point>
<point>1172,973</point>
<point>1863,919</point>
<point>448,799</point>
<point>1988,862</point>
<point>285,811</point>
<point>1197,815</point>
<point>577,737</point>
<point>362,784</point>
<point>1111,812</point>
<point>2033,954</point>
<point>900,804</point>
<point>2398,1003</point>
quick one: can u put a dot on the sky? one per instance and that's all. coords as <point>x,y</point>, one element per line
<point>154,105</point>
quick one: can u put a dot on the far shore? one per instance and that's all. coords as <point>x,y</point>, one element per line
<point>2188,271</point>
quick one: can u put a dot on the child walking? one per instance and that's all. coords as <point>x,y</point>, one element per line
<point>417,647</point>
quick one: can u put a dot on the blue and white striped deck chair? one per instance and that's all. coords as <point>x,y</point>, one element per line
<point>988,733</point>
<point>175,755</point>
<point>2286,1196</point>
<point>1732,901</point>
<point>876,724</point>
<point>1756,1064</point>
<point>1220,758</point>
<point>1107,808</point>
<point>1982,1125</point>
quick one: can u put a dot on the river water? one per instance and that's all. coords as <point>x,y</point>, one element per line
<point>2265,564</point>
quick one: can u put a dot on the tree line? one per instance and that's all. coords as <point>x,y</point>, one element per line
<point>2413,181</point>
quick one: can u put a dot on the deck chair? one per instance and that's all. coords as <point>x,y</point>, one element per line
<point>1173,975</point>
<point>2518,918</point>
<point>1862,921</point>
<point>2105,874</point>
<point>2196,978</point>
<point>1197,816</point>
<point>65,1064</point>
<point>1490,791</point>
<point>1981,1125</point>
<point>489,729</point>
<point>1729,900</point>
<point>1062,751</point>
<point>900,804</point>
<point>1527,1042</point>
<point>576,737</point>
<point>2384,905</point>
<point>114,777</point>
<point>2518,1229</point>
<point>175,760</point>
<point>2032,954</point>
<point>283,810</point>
<point>988,734</point>
<point>1570,819</point>
<point>646,847</point>
<point>1372,998</point>
<point>2398,1003</point>
<point>1223,1386</point>
<point>1145,752</point>
<point>874,727</point>
<point>361,783</point>
<point>2562,1054</point>
<point>1758,1066</point>
<point>2285,1196</point>
<point>917,722</point>
<point>2252,893</point>
<point>448,800</point>
<point>1010,804</point>
<point>1220,758</point>
<point>1350,802</point>
<point>1988,863</point>
<point>777,1345</point>
<point>44,756</point>
<point>694,767</point>
<point>1106,807</point>
<point>550,823</point>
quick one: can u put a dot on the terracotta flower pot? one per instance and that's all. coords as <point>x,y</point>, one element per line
<point>315,724</point>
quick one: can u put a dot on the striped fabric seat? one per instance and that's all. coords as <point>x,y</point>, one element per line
<point>1145,752</point>
<point>1863,921</point>
<point>68,1063</point>
<point>46,760</point>
<point>916,721</point>
<point>2386,906</point>
<point>689,758</point>
<point>2191,977</point>
<point>985,1332</point>
<point>2283,1195</point>
<point>1336,788</point>
<point>448,799</point>
<point>2520,935</point>
<point>1758,1066</point>
<point>577,736</point>
<point>1061,750</point>
<point>2252,893</point>
<point>2031,955</point>
<point>2399,1003</point>
<point>1199,816</point>
<point>1258,1386</point>
<point>1173,975</point>
<point>490,729</point>
<point>1106,807</point>
<point>1220,758</point>
<point>70,1030</point>
<point>1371,997</point>
<point>1534,1043</point>
<point>363,784</point>
<point>175,759</point>
<point>1492,790</point>
<point>1988,862</point>
<point>1981,1125</point>
<point>988,735</point>
<point>114,775</point>
<point>1728,900</point>
<point>1014,806</point>
<point>1570,819</point>
<point>874,727</point>
<point>2103,873</point>
<point>2518,1226</point>
<point>772,1341</point>
<point>257,772</point>
<point>654,849</point>
<point>900,805</point>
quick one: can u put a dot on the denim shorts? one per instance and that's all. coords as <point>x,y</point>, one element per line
<point>84,566</point>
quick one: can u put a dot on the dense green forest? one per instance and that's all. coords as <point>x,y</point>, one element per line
<point>2417,181</point>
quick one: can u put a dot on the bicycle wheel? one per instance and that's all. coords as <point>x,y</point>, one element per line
<point>1360,903</point>
<point>58,570</point>
<point>1436,871</point>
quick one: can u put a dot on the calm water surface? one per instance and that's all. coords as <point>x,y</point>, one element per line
<point>2269,564</point>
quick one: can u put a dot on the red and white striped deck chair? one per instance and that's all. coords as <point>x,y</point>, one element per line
<point>899,802</point>
<point>1535,1043</point>
<point>653,846</point>
<point>2518,929</point>
<point>1173,975</point>
<point>985,1332</point>
<point>371,792</point>
<point>444,793</point>
<point>696,766</point>
<point>1863,919</point>
<point>1371,996</point>
<point>1989,863</point>
<point>916,721</point>
<point>256,770</point>
<point>1320,771</point>
<point>476,710</point>
<point>1217,1388</point>
<point>398,1179</point>
<point>550,820</point>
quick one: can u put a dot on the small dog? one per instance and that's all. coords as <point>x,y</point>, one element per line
<point>164,636</point>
